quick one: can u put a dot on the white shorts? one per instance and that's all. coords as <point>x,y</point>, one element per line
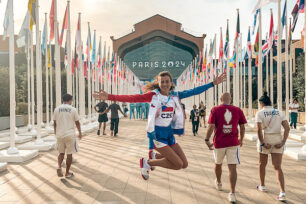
<point>231,153</point>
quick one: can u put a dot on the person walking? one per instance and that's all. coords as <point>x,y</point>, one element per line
<point>195,119</point>
<point>202,109</point>
<point>224,121</point>
<point>100,108</point>
<point>65,119</point>
<point>132,111</point>
<point>293,107</point>
<point>271,141</point>
<point>114,108</point>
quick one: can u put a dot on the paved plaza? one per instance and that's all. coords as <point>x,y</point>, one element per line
<point>107,171</point>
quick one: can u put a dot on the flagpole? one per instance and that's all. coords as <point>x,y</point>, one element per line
<point>89,105</point>
<point>12,149</point>
<point>51,83</point>
<point>32,86</point>
<point>240,71</point>
<point>215,87</point>
<point>220,69</point>
<point>228,80</point>
<point>250,86</point>
<point>29,81</point>
<point>290,71</point>
<point>57,59</point>
<point>305,63</point>
<point>47,75</point>
<point>271,71</point>
<point>244,85</point>
<point>267,74</point>
<point>69,72</point>
<point>259,76</point>
<point>279,64</point>
<point>38,78</point>
<point>286,65</point>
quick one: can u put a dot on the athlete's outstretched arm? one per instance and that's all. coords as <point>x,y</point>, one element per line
<point>203,88</point>
<point>137,98</point>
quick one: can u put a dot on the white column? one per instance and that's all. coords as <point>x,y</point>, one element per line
<point>279,63</point>
<point>69,73</point>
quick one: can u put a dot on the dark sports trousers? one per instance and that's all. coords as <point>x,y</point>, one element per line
<point>195,126</point>
<point>114,125</point>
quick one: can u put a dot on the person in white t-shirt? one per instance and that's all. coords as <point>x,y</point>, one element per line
<point>293,107</point>
<point>65,119</point>
<point>271,141</point>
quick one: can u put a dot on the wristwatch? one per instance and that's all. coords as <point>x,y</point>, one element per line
<point>206,140</point>
<point>263,144</point>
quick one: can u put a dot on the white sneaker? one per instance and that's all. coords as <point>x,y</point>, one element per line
<point>218,185</point>
<point>261,188</point>
<point>232,197</point>
<point>144,168</point>
<point>281,196</point>
<point>152,155</point>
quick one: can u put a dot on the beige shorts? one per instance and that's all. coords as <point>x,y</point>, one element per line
<point>231,153</point>
<point>271,139</point>
<point>66,145</point>
<point>264,150</point>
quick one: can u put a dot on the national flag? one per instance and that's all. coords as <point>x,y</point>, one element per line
<point>44,39</point>
<point>261,3</point>
<point>7,21</point>
<point>221,48</point>
<point>51,17</point>
<point>78,39</point>
<point>255,19</point>
<point>289,39</point>
<point>271,32</point>
<point>226,45</point>
<point>256,44</point>
<point>93,54</point>
<point>249,45</point>
<point>31,8</point>
<point>99,54</point>
<point>49,55</point>
<point>295,14</point>
<point>66,55</point>
<point>24,33</point>
<point>237,29</point>
<point>284,19</point>
<point>64,27</point>
<point>301,6</point>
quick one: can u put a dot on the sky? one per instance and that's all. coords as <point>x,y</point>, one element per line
<point>117,17</point>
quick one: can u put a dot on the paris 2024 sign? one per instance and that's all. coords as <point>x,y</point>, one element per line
<point>147,61</point>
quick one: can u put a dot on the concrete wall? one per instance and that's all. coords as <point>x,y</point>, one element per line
<point>5,122</point>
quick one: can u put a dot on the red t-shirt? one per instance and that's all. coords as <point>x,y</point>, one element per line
<point>226,119</point>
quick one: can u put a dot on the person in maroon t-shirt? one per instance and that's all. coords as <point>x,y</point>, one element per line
<point>223,121</point>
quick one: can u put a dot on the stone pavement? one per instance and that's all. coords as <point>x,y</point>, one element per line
<point>107,171</point>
